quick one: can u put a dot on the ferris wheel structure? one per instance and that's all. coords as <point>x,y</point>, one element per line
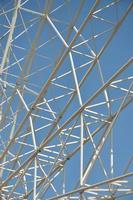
<point>66,97</point>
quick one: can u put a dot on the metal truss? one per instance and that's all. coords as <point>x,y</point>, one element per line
<point>63,94</point>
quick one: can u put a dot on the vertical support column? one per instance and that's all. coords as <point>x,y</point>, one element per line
<point>35,161</point>
<point>6,53</point>
<point>81,121</point>
<point>111,155</point>
<point>81,149</point>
